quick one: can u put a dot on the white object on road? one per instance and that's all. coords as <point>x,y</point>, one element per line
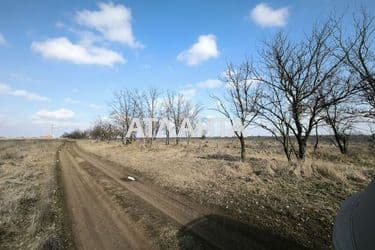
<point>131,178</point>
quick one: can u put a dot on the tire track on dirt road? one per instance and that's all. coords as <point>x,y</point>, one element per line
<point>182,211</point>
<point>97,222</point>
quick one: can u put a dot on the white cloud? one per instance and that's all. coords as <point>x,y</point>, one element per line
<point>7,90</point>
<point>87,37</point>
<point>62,48</point>
<point>55,115</point>
<point>202,50</point>
<point>209,84</point>
<point>112,21</point>
<point>2,40</point>
<point>71,100</point>
<point>189,92</point>
<point>266,16</point>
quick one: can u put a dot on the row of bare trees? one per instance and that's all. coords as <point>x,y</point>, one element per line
<point>327,79</point>
<point>155,112</point>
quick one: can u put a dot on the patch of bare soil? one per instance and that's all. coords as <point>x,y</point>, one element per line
<point>31,207</point>
<point>260,195</point>
<point>96,222</point>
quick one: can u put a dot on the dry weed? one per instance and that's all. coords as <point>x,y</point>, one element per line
<point>29,205</point>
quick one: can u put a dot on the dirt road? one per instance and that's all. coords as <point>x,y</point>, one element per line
<point>99,222</point>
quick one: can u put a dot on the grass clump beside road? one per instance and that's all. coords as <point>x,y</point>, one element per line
<point>31,208</point>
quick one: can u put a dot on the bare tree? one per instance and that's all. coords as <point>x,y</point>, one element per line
<point>299,79</point>
<point>341,120</point>
<point>129,104</point>
<point>152,109</point>
<point>276,118</point>
<point>97,131</point>
<point>191,111</point>
<point>140,108</point>
<point>317,136</point>
<point>239,101</point>
<point>109,131</point>
<point>342,115</point>
<point>167,114</point>
<point>175,105</point>
<point>103,130</point>
<point>122,111</point>
<point>359,53</point>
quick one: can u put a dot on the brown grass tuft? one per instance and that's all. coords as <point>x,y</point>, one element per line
<point>29,204</point>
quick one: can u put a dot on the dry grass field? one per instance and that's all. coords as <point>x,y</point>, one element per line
<point>261,191</point>
<point>205,174</point>
<point>31,209</point>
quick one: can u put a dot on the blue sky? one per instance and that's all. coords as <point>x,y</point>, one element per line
<point>60,61</point>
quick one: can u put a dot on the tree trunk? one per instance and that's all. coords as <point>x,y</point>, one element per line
<point>341,141</point>
<point>188,138</point>
<point>243,153</point>
<point>301,149</point>
<point>316,138</point>
<point>177,139</point>
<point>122,139</point>
<point>167,137</point>
<point>286,148</point>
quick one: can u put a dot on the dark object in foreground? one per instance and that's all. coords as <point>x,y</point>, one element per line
<point>221,232</point>
<point>355,221</point>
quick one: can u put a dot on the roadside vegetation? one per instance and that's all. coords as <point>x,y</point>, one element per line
<point>31,207</point>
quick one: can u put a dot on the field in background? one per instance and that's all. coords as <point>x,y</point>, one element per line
<point>31,209</point>
<point>262,190</point>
